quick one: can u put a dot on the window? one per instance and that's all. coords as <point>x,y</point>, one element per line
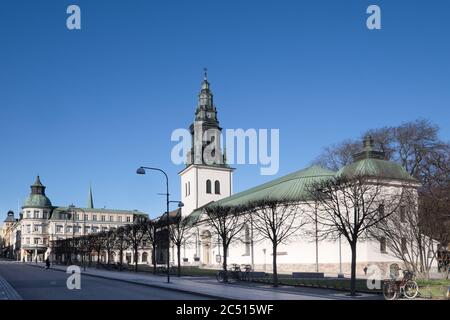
<point>36,240</point>
<point>87,229</point>
<point>103,218</point>
<point>27,240</point>
<point>94,229</point>
<point>383,245</point>
<point>94,217</point>
<point>403,214</point>
<point>36,214</point>
<point>217,187</point>
<point>185,190</point>
<point>404,247</point>
<point>86,217</point>
<point>78,216</point>
<point>104,229</point>
<point>189,187</point>
<point>29,214</point>
<point>28,228</point>
<point>36,228</point>
<point>128,219</point>
<point>45,215</point>
<point>208,186</point>
<point>144,256</point>
<point>69,229</point>
<point>59,229</point>
<point>120,218</point>
<point>44,241</point>
<point>111,218</point>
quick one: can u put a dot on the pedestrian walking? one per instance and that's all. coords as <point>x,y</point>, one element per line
<point>47,263</point>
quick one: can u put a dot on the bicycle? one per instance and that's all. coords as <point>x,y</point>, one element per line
<point>407,287</point>
<point>233,274</point>
<point>245,275</point>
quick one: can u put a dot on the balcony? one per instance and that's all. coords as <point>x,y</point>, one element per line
<point>34,246</point>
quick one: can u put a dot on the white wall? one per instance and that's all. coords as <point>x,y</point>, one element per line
<point>196,176</point>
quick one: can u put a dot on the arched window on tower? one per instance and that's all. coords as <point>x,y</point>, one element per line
<point>217,187</point>
<point>208,186</point>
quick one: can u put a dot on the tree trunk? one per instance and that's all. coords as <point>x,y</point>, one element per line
<point>136,259</point>
<point>274,265</point>
<point>154,257</point>
<point>225,247</point>
<point>121,258</point>
<point>179,259</point>
<point>353,270</point>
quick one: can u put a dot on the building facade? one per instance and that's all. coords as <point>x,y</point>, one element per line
<point>40,223</point>
<point>206,184</point>
<point>8,236</point>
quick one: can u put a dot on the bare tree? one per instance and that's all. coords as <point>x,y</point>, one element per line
<point>97,242</point>
<point>179,235</point>
<point>134,234</point>
<point>403,234</point>
<point>277,221</point>
<point>338,155</point>
<point>109,243</point>
<point>121,243</point>
<point>227,222</point>
<point>351,207</point>
<point>150,229</point>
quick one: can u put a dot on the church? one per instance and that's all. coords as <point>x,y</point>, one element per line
<point>207,182</point>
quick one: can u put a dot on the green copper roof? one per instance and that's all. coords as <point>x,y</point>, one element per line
<point>290,187</point>
<point>57,211</point>
<point>372,163</point>
<point>375,168</point>
<point>37,197</point>
<point>37,201</point>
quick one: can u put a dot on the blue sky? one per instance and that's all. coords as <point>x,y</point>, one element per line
<point>90,106</point>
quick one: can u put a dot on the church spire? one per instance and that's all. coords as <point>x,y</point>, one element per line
<point>90,199</point>
<point>205,130</point>
<point>206,111</point>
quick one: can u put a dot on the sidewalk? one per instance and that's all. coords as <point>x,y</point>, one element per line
<point>209,287</point>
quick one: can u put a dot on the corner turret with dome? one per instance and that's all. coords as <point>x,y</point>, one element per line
<point>37,197</point>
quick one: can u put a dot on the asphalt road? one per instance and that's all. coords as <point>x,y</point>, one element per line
<point>33,283</point>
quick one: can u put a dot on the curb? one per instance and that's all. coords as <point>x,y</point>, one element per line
<point>215,297</point>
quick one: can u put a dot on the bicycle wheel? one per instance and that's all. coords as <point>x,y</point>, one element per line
<point>411,289</point>
<point>220,276</point>
<point>390,290</point>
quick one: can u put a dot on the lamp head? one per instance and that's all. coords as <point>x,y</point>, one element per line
<point>140,171</point>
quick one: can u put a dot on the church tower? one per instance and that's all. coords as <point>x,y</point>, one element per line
<point>206,177</point>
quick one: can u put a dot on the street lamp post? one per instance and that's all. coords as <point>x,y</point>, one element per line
<point>141,170</point>
<point>72,212</point>
<point>341,274</point>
